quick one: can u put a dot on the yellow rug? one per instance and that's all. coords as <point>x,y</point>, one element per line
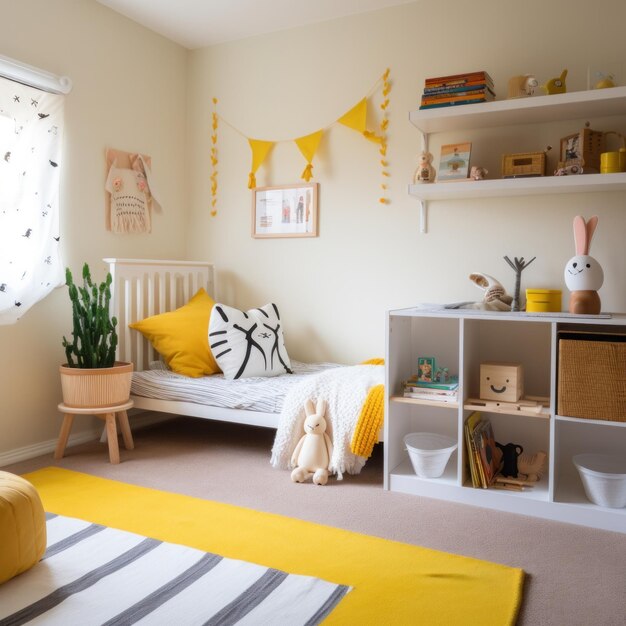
<point>393,583</point>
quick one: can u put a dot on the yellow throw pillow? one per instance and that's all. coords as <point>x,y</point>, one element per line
<point>181,337</point>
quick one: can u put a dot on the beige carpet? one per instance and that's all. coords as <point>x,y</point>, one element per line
<point>575,575</point>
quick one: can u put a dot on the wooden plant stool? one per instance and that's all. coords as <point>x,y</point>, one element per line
<point>106,413</point>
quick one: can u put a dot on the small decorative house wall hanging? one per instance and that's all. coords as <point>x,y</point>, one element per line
<point>130,192</point>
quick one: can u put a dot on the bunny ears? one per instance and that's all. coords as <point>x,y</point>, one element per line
<point>583,232</point>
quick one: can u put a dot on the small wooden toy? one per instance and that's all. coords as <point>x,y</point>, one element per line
<point>522,86</point>
<point>556,85</point>
<point>583,149</point>
<point>531,466</point>
<point>523,164</point>
<point>583,274</point>
<point>501,381</point>
<point>425,172</point>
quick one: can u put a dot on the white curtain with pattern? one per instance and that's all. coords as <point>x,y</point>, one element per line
<point>31,133</point>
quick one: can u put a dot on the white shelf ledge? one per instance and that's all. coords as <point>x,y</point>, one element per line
<point>533,110</point>
<point>509,187</point>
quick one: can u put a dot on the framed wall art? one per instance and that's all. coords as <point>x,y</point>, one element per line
<point>454,161</point>
<point>285,211</point>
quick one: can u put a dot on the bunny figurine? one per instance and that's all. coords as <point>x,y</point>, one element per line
<point>313,452</point>
<point>583,274</point>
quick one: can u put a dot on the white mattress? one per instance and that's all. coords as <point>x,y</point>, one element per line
<point>252,394</point>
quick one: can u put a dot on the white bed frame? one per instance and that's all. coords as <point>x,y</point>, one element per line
<point>142,288</point>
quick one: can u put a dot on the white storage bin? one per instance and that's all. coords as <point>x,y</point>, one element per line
<point>603,477</point>
<point>429,453</point>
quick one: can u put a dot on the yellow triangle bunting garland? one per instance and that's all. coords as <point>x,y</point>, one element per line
<point>260,150</point>
<point>355,119</point>
<point>308,146</point>
<point>384,124</point>
<point>214,159</point>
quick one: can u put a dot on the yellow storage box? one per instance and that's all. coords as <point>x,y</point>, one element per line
<point>543,300</point>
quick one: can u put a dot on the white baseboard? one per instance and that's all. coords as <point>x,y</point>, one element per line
<point>46,447</point>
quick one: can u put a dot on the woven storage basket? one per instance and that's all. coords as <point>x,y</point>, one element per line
<point>592,379</point>
<point>93,388</point>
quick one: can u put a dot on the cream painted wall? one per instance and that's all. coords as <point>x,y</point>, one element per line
<point>334,290</point>
<point>129,93</point>
<point>136,91</point>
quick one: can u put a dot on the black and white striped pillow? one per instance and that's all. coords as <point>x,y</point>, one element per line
<point>248,343</point>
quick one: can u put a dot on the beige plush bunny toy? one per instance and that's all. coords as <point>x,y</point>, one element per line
<point>313,452</point>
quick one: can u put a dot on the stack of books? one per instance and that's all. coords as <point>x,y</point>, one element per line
<point>444,91</point>
<point>435,391</point>
<point>481,450</point>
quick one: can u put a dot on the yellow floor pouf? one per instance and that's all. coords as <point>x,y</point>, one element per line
<point>22,526</point>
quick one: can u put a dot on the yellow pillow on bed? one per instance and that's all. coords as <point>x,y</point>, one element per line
<point>181,337</point>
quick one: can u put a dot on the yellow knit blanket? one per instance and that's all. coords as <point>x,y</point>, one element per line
<point>371,418</point>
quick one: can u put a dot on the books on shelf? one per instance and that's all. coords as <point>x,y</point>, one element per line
<point>419,395</point>
<point>434,391</point>
<point>456,79</point>
<point>447,104</point>
<point>465,87</point>
<point>457,89</point>
<point>450,385</point>
<point>481,448</point>
<point>431,98</point>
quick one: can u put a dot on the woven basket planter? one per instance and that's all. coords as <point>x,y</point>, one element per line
<point>93,388</point>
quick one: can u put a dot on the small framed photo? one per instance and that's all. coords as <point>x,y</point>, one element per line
<point>285,211</point>
<point>454,161</point>
<point>426,369</point>
<point>570,148</point>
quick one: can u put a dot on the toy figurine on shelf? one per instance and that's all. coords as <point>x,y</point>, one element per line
<point>495,298</point>
<point>531,467</point>
<point>522,86</point>
<point>442,375</point>
<point>478,173</point>
<point>604,81</point>
<point>556,85</point>
<point>425,172</point>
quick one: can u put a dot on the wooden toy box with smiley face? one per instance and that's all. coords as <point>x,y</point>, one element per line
<point>501,381</point>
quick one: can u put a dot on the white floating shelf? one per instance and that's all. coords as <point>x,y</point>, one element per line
<point>533,110</point>
<point>508,187</point>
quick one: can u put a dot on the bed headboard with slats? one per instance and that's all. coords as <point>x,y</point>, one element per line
<point>142,288</point>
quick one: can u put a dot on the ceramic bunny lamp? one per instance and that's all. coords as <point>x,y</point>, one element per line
<point>583,274</point>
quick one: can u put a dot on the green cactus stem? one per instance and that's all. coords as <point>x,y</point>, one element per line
<point>94,335</point>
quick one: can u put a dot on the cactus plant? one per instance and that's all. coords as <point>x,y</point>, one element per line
<point>94,331</point>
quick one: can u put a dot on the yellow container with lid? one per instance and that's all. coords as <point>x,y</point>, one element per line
<point>543,300</point>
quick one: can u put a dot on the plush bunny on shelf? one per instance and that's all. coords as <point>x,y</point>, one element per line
<point>583,274</point>
<point>313,452</point>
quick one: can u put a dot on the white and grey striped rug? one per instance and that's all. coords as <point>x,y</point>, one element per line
<point>91,574</point>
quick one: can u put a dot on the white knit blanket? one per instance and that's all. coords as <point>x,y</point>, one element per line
<point>345,390</point>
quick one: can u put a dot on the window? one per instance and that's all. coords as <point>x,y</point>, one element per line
<point>31,128</point>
